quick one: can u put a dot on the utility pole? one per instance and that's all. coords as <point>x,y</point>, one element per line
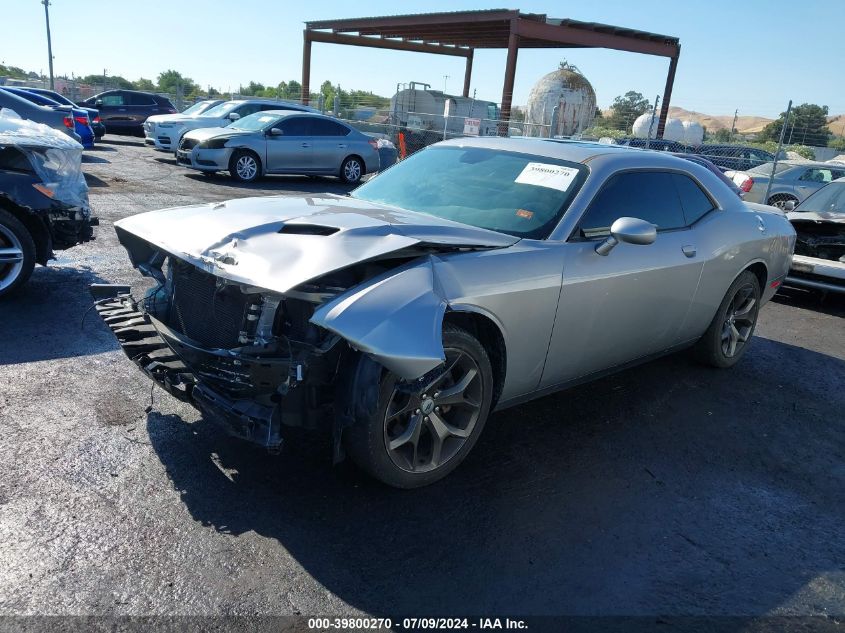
<point>46,4</point>
<point>780,148</point>
<point>651,121</point>
<point>104,79</point>
<point>733,125</point>
<point>445,79</point>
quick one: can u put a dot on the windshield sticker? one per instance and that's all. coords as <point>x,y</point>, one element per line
<point>545,175</point>
<point>524,213</point>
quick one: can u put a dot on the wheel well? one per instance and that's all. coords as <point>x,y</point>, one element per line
<point>762,274</point>
<point>35,226</point>
<point>490,337</point>
<point>363,164</point>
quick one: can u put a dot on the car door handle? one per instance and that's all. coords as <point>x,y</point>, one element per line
<point>306,145</point>
<point>341,145</point>
<point>689,250</point>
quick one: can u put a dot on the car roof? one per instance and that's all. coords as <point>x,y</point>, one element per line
<point>793,162</point>
<point>285,113</point>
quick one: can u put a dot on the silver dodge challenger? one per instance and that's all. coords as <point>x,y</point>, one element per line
<point>472,276</point>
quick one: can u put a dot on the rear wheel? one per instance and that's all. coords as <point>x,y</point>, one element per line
<point>17,253</point>
<point>780,199</point>
<point>245,166</point>
<point>424,429</point>
<point>730,332</point>
<point>351,170</point>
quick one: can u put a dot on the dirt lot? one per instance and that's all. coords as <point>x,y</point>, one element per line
<point>668,489</point>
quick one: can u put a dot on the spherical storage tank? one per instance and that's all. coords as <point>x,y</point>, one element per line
<point>567,90</point>
<point>688,132</point>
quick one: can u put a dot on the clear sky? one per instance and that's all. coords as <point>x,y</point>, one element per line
<point>754,55</point>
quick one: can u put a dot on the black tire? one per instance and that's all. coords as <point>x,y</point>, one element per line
<point>735,319</point>
<point>367,441</point>
<point>352,170</point>
<point>14,235</point>
<point>238,166</point>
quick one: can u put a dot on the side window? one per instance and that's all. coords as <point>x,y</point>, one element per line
<point>113,99</point>
<point>648,195</point>
<point>694,201</point>
<point>324,127</point>
<point>817,175</point>
<point>247,109</point>
<point>296,126</point>
<point>269,106</point>
<point>140,99</point>
<point>837,173</point>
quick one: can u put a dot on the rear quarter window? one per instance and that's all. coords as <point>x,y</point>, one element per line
<point>694,201</point>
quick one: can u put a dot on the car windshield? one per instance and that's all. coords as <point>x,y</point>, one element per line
<point>197,107</point>
<point>766,169</point>
<point>830,198</point>
<point>518,194</point>
<point>254,122</point>
<point>221,110</point>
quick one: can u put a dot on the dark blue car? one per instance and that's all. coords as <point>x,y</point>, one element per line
<point>94,115</point>
<point>81,121</point>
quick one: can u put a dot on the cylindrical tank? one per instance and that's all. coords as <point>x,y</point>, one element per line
<point>567,90</point>
<point>421,108</point>
<point>688,132</point>
<point>693,133</point>
<point>674,130</point>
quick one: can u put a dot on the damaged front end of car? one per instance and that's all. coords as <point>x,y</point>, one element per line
<point>246,329</point>
<point>819,260</point>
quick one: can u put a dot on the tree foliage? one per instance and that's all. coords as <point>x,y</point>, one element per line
<point>170,82</point>
<point>807,125</point>
<point>626,108</point>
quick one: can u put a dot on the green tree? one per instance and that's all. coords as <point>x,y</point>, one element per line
<point>144,84</point>
<point>112,81</point>
<point>13,72</point>
<point>170,80</point>
<point>722,135</point>
<point>252,89</point>
<point>807,125</point>
<point>626,108</point>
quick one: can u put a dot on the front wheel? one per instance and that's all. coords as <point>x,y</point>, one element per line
<point>17,253</point>
<point>244,166</point>
<point>351,170</point>
<point>422,430</point>
<point>729,333</point>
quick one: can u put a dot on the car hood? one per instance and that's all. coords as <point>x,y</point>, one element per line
<point>816,216</point>
<point>279,242</point>
<point>209,132</point>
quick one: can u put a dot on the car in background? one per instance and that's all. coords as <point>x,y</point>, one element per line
<point>281,142</point>
<point>162,140</point>
<point>124,111</point>
<point>477,274</point>
<point>736,157</point>
<point>819,222</point>
<point>169,133</point>
<point>81,121</point>
<point>94,115</point>
<point>794,181</point>
<point>700,160</point>
<point>60,119</point>
<point>43,198</point>
<point>657,144</point>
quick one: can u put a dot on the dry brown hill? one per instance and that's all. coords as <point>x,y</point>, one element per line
<point>744,124</point>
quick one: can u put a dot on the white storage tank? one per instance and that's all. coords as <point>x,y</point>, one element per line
<point>688,132</point>
<point>566,90</point>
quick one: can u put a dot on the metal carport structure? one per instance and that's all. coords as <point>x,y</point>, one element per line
<point>460,33</point>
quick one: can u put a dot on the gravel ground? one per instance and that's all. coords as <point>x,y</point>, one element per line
<point>668,489</point>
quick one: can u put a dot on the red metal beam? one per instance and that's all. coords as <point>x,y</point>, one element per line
<point>373,42</point>
<point>306,67</point>
<point>436,19</point>
<point>468,73</point>
<point>569,35</point>
<point>667,94</point>
<point>510,75</point>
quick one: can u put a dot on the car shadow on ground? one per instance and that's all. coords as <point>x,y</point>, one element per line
<point>824,302</point>
<point>88,158</point>
<point>665,489</point>
<point>43,319</point>
<point>293,184</point>
<point>123,140</point>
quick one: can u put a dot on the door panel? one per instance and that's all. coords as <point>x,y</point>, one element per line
<point>618,308</point>
<point>291,152</point>
<point>331,145</point>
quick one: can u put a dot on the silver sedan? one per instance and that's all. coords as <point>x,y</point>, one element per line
<point>473,276</point>
<point>281,142</point>
<point>794,181</point>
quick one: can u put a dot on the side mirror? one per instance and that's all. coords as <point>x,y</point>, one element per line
<point>98,103</point>
<point>630,231</point>
<point>274,131</point>
<point>789,205</point>
<point>234,116</point>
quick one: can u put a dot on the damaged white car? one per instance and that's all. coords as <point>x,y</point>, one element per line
<point>472,276</point>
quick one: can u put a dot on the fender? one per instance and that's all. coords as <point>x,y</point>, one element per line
<point>396,318</point>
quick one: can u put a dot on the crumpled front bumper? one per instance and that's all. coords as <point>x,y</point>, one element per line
<point>221,383</point>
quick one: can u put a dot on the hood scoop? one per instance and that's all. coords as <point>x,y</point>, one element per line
<point>308,229</point>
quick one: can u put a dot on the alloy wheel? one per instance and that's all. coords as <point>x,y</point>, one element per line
<point>740,317</point>
<point>11,257</point>
<point>352,170</point>
<point>246,167</point>
<point>426,427</point>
